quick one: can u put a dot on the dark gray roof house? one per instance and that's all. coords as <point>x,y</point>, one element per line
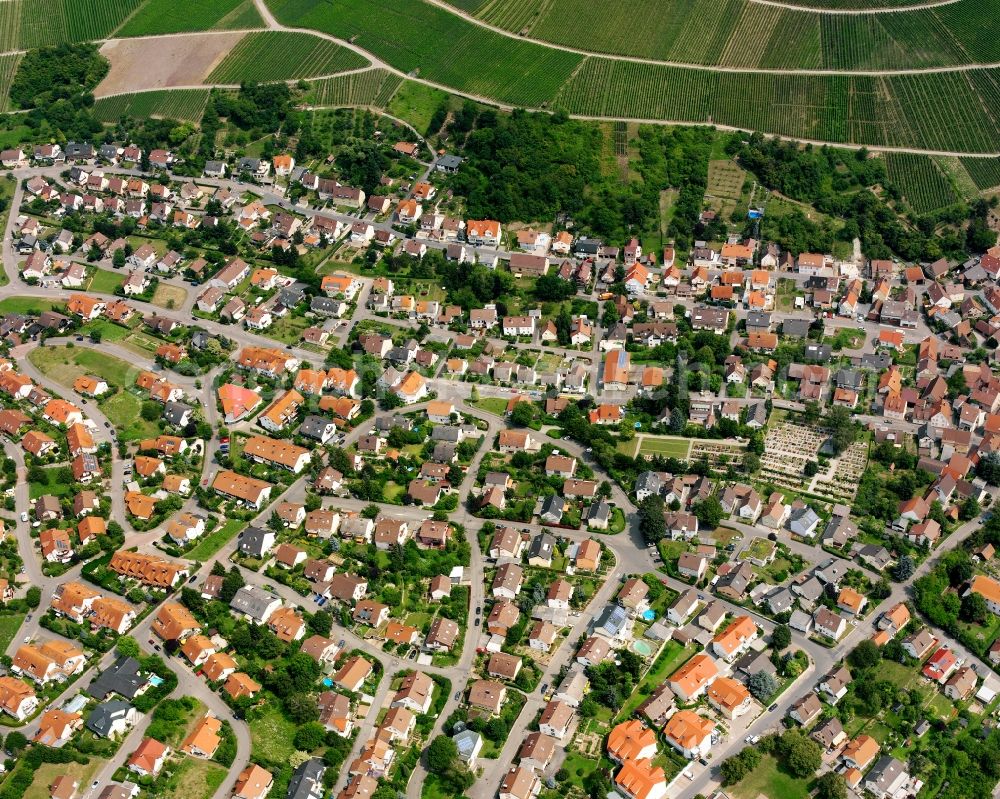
<point>542,546</point>
<point>324,305</point>
<point>103,717</point>
<point>552,509</point>
<point>177,413</point>
<point>307,780</point>
<point>758,322</point>
<point>317,427</point>
<point>450,433</point>
<point>877,362</point>
<point>292,295</point>
<point>255,602</point>
<point>599,514</point>
<point>255,542</point>
<point>796,328</point>
<point>444,452</point>
<point>818,353</point>
<point>124,677</point>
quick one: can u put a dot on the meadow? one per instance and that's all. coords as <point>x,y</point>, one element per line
<point>281,55</point>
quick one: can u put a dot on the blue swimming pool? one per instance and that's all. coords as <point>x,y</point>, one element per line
<point>649,615</point>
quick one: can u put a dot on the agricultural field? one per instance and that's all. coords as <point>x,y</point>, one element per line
<point>166,16</point>
<point>280,55</point>
<point>985,172</point>
<point>180,104</point>
<point>373,87</point>
<point>924,186</point>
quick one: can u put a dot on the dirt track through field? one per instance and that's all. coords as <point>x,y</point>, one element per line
<point>163,62</point>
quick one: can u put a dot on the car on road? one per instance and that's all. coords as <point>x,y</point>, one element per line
<point>544,687</point>
<point>477,622</point>
<point>703,761</point>
<point>24,516</point>
<point>341,644</point>
<point>79,338</point>
<point>107,424</point>
<point>458,696</point>
<point>479,609</point>
<point>701,597</point>
<point>773,707</point>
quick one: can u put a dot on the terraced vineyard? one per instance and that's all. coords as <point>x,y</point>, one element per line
<point>374,87</point>
<point>924,186</point>
<point>25,24</point>
<point>742,33</point>
<point>278,55</point>
<point>985,172</point>
<point>170,16</point>
<point>439,46</point>
<point>952,111</point>
<point>8,68</point>
<point>180,104</point>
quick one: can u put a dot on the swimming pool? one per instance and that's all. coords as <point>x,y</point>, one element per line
<point>642,648</point>
<point>649,615</point>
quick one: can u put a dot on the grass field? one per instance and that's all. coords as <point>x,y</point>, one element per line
<point>180,104</point>
<point>195,778</point>
<point>271,736</point>
<point>31,306</point>
<point>768,780</point>
<point>215,540</point>
<point>9,625</point>
<point>167,296</point>
<point>416,103</point>
<point>281,55</point>
<point>165,16</point>
<point>667,446</point>
<point>122,411</point>
<point>64,365</point>
<point>105,282</point>
<point>47,772</point>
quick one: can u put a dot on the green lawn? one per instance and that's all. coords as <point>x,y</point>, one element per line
<point>271,736</point>
<point>109,331</point>
<point>9,625</point>
<point>47,772</point>
<point>65,365</point>
<point>122,411</point>
<point>105,282</point>
<point>215,540</point>
<point>617,523</point>
<point>30,306</point>
<point>667,662</point>
<point>195,779</point>
<point>668,446</point>
<point>288,329</point>
<point>494,405</point>
<point>50,486</point>
<point>769,781</point>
